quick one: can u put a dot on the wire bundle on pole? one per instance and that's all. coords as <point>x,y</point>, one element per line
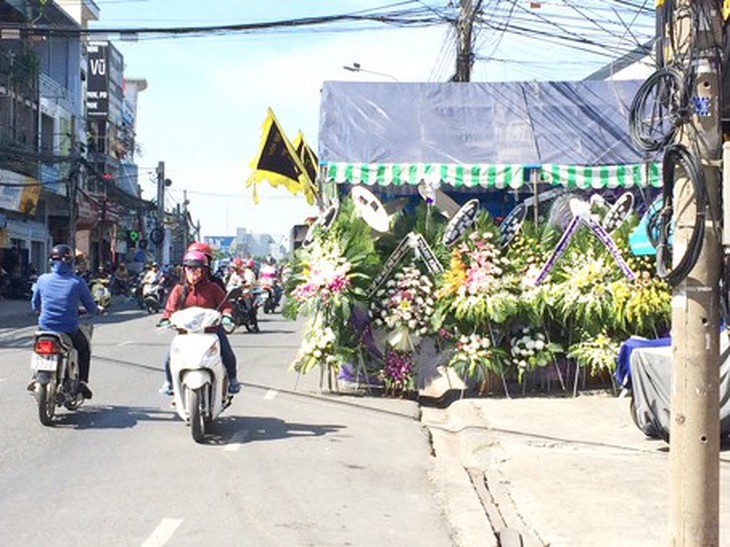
<point>662,106</point>
<point>678,156</point>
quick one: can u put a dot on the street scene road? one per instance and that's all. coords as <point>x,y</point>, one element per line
<point>282,466</point>
<point>289,464</point>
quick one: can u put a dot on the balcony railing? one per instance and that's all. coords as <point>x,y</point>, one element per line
<point>51,89</point>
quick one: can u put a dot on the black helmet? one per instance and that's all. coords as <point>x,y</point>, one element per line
<point>61,252</point>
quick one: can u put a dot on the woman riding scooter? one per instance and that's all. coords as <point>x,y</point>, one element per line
<point>197,289</point>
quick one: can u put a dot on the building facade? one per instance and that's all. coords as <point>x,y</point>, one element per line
<point>67,137</point>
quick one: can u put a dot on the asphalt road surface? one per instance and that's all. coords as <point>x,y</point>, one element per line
<point>284,465</point>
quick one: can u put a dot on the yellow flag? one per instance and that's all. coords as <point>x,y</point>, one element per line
<point>277,160</point>
<point>311,165</point>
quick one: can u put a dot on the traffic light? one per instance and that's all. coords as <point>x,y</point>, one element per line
<point>133,235</point>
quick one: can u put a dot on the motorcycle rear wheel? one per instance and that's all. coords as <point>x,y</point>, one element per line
<point>197,422</point>
<point>253,326</point>
<point>46,403</point>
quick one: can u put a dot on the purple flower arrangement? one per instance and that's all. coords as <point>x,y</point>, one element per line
<point>398,369</point>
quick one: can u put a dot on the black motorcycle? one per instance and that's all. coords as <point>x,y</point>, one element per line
<point>271,296</point>
<point>245,304</point>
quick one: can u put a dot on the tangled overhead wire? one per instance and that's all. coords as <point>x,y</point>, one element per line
<point>677,156</point>
<point>659,107</point>
<point>666,103</point>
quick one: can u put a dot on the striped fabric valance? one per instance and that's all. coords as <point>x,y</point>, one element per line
<point>602,176</point>
<point>495,175</point>
<point>457,175</point>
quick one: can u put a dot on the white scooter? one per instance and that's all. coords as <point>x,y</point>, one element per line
<point>152,294</point>
<point>199,378</point>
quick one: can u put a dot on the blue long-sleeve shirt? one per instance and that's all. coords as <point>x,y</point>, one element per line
<point>57,296</point>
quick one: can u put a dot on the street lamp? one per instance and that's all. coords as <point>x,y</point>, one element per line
<point>357,68</point>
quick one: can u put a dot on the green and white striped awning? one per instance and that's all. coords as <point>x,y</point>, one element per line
<point>602,176</point>
<point>494,175</point>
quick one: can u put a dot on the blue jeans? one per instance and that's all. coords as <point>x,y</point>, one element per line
<point>227,356</point>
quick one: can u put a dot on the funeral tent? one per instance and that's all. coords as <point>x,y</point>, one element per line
<point>473,136</point>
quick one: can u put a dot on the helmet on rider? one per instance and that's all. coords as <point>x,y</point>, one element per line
<point>195,259</point>
<point>194,265</point>
<point>249,263</point>
<point>237,263</point>
<point>61,252</point>
<point>203,248</point>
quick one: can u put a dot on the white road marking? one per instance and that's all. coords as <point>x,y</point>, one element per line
<point>236,441</point>
<point>162,534</point>
<point>125,343</point>
<point>271,394</point>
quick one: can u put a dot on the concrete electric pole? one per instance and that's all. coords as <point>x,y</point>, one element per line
<point>695,423</point>
<point>186,226</point>
<point>160,211</point>
<point>464,40</point>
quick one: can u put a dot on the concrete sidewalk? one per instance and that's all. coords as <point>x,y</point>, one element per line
<point>566,471</point>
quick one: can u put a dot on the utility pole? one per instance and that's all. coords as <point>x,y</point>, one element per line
<point>160,209</point>
<point>464,41</point>
<point>186,231</point>
<point>695,417</point>
<point>73,184</point>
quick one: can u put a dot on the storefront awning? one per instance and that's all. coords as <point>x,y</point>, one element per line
<point>495,175</point>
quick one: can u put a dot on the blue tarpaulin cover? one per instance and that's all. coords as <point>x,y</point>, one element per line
<point>383,132</point>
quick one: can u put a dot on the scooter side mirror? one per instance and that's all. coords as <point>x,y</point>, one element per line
<point>234,294</point>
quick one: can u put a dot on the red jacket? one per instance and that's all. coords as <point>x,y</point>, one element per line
<point>205,294</point>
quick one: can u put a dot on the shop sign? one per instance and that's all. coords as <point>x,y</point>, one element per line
<point>18,192</point>
<point>97,86</point>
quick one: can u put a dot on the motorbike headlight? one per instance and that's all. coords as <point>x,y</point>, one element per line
<point>211,354</point>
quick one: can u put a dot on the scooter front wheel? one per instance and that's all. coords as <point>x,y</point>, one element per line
<point>195,414</point>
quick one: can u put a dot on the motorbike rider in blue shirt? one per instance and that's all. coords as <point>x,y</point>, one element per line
<point>57,296</point>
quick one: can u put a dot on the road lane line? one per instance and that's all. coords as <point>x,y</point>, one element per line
<point>236,440</point>
<point>271,394</point>
<point>125,343</point>
<point>162,534</point>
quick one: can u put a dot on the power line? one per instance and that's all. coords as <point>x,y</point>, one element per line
<point>410,17</point>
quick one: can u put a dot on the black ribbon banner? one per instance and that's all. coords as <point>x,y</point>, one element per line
<point>395,257</point>
<point>420,246</point>
<point>427,255</point>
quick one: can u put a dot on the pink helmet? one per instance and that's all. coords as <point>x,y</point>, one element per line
<point>203,248</point>
<point>195,258</point>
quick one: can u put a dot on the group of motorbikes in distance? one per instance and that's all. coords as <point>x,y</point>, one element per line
<point>200,384</point>
<point>151,296</point>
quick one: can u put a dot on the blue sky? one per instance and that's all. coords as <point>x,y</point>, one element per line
<point>207,96</point>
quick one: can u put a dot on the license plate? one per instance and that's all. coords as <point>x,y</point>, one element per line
<point>44,362</point>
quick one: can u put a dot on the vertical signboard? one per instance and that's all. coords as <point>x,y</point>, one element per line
<point>97,86</point>
<point>115,83</point>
